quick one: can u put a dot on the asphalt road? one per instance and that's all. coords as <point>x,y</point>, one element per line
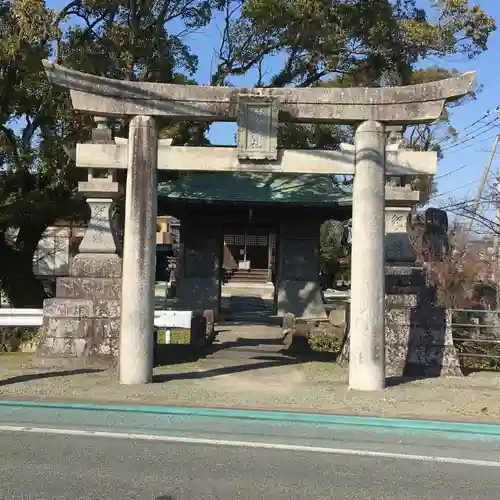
<point>39,467</point>
<point>246,458</point>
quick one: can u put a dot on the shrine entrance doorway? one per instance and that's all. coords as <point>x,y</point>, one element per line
<point>249,257</point>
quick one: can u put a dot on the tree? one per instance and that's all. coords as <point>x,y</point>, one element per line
<point>478,212</point>
<point>35,183</point>
<point>332,251</point>
<point>296,43</point>
<point>37,124</point>
<point>463,277</point>
<point>349,43</point>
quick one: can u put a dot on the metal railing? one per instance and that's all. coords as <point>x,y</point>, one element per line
<point>10,317</point>
<point>21,317</point>
<point>475,333</point>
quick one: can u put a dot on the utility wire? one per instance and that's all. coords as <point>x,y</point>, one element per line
<point>451,172</point>
<point>474,144</point>
<point>483,180</point>
<point>454,189</point>
<point>496,110</point>
<point>487,126</point>
<point>473,124</point>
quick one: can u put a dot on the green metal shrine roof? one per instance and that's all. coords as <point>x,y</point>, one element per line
<point>304,189</point>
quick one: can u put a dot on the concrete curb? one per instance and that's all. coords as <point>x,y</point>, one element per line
<point>463,428</point>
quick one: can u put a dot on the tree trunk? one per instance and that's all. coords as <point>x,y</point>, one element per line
<point>19,283</point>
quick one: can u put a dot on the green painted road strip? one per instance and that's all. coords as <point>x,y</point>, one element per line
<point>464,428</point>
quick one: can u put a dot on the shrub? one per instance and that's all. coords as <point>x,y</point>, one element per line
<point>323,341</point>
<point>12,338</point>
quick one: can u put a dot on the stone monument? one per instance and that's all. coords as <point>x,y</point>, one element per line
<point>257,110</point>
<point>417,333</point>
<point>83,319</point>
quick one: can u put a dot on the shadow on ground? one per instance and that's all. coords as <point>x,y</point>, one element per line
<point>36,376</point>
<point>236,356</point>
<point>395,381</point>
<point>226,370</point>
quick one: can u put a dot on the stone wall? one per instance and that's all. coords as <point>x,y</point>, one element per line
<point>418,335</point>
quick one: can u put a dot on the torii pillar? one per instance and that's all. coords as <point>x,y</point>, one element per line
<point>367,348</point>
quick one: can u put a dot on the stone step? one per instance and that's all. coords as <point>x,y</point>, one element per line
<point>260,275</point>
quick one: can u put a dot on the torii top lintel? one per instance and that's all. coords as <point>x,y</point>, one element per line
<point>412,104</point>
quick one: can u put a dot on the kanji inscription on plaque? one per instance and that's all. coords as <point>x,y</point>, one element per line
<point>257,128</point>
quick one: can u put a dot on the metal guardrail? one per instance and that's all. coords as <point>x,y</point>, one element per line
<point>34,317</point>
<point>476,334</point>
<point>21,317</point>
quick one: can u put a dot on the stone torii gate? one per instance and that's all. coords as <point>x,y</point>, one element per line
<point>257,112</point>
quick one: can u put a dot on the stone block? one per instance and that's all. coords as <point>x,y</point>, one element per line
<point>391,289</point>
<point>418,338</point>
<point>404,276</point>
<point>419,343</point>
<point>107,308</point>
<point>198,330</point>
<point>432,318</point>
<point>288,321</point>
<point>66,347</point>
<point>401,301</point>
<point>68,327</point>
<point>105,337</point>
<point>88,288</point>
<point>68,308</point>
<point>297,340</point>
<point>303,330</point>
<point>397,317</point>
<point>337,317</point>
<point>96,266</point>
<point>209,324</point>
<point>302,298</point>
<point>86,337</point>
<point>395,354</point>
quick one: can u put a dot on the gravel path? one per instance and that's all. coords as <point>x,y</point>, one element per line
<point>257,383</point>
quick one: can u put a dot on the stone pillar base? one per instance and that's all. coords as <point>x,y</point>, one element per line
<point>418,336</point>
<point>83,320</point>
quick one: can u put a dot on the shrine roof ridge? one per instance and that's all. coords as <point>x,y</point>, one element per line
<point>418,103</point>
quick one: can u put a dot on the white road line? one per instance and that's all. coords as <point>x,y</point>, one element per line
<point>251,444</point>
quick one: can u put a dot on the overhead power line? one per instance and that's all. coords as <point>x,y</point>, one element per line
<point>451,172</point>
<point>476,134</point>
<point>451,140</point>
<point>483,180</point>
<point>467,146</point>
<point>439,195</point>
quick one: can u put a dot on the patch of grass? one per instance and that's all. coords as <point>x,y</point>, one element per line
<point>15,359</point>
<point>318,369</point>
<point>180,367</point>
<point>18,355</point>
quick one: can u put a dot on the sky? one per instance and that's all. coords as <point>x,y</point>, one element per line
<point>464,161</point>
<point>460,171</point>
